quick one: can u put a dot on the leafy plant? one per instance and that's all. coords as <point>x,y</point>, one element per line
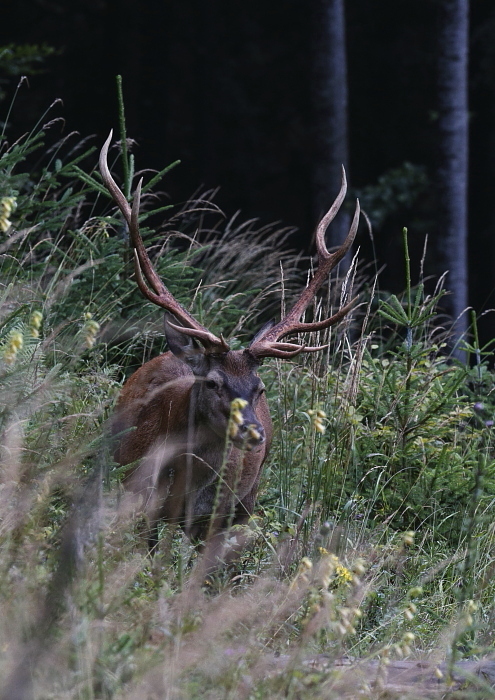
<point>373,539</point>
<point>397,187</point>
<point>21,59</point>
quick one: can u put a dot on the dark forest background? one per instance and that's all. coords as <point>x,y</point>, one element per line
<point>229,88</point>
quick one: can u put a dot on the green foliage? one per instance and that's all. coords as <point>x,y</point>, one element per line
<point>396,188</point>
<point>374,531</point>
<point>399,434</point>
<point>21,59</point>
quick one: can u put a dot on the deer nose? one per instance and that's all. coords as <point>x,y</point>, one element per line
<point>252,434</point>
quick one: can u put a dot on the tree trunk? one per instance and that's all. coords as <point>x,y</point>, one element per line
<point>452,177</point>
<point>329,115</point>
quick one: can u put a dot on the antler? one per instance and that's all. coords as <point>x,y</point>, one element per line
<point>156,292</point>
<point>267,342</point>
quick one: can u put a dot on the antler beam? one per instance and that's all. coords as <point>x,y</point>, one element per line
<point>267,344</point>
<point>148,281</point>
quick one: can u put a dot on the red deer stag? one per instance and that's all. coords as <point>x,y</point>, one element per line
<point>175,412</point>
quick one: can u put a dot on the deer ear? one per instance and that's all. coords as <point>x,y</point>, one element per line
<point>184,347</point>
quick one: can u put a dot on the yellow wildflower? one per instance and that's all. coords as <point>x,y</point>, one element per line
<point>7,206</point>
<point>236,418</point>
<point>35,323</point>
<point>15,343</point>
<point>318,417</point>
<point>343,574</point>
<point>253,433</point>
<point>90,329</point>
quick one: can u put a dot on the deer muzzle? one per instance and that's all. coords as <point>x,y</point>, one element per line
<point>245,430</point>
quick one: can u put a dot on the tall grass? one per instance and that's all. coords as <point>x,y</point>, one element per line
<point>373,538</point>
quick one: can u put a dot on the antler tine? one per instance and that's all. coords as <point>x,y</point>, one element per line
<point>328,218</point>
<point>158,294</point>
<point>131,217</point>
<point>141,259</point>
<point>267,343</point>
<point>203,335</point>
<point>110,183</point>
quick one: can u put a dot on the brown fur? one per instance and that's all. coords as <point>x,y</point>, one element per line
<point>175,460</point>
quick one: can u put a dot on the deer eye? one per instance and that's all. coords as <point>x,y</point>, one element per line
<point>212,384</point>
